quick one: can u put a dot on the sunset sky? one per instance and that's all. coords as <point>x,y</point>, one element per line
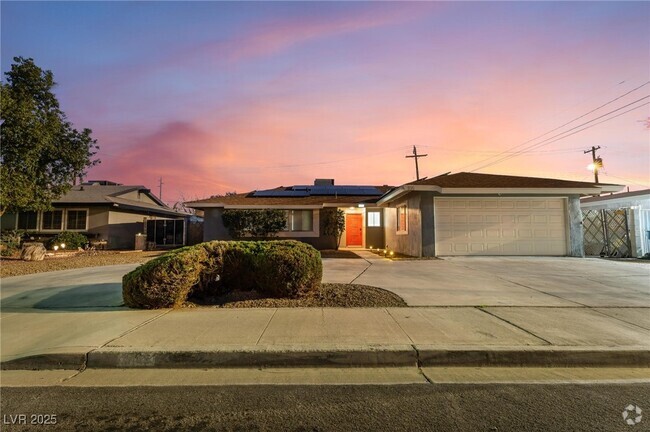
<point>218,97</point>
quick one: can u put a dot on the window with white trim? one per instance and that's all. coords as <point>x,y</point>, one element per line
<point>374,218</point>
<point>300,220</point>
<point>52,220</point>
<point>76,220</point>
<point>402,219</point>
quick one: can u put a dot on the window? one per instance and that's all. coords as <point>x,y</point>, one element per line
<point>27,220</point>
<point>53,220</point>
<point>374,219</point>
<point>76,220</point>
<point>300,220</point>
<point>402,219</point>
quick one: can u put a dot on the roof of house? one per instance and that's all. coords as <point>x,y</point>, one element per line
<point>465,183</point>
<point>477,180</point>
<point>112,195</point>
<point>623,195</point>
<point>312,196</point>
<point>96,194</point>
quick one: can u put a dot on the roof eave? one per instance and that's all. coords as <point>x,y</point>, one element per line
<point>403,190</point>
<point>583,191</point>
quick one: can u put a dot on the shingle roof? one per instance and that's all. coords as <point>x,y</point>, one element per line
<point>85,194</point>
<point>248,198</point>
<point>476,180</point>
<point>111,195</point>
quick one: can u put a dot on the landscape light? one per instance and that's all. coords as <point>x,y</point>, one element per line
<point>392,253</point>
<point>384,251</point>
<point>55,247</point>
<point>62,245</point>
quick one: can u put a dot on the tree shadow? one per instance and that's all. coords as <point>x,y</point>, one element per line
<point>80,298</point>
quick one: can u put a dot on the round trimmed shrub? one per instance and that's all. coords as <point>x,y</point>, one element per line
<point>165,281</point>
<point>275,268</point>
<point>288,269</point>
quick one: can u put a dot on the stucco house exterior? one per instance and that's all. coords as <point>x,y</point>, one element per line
<point>108,212</point>
<point>637,207</point>
<point>486,214</point>
<point>452,214</point>
<point>304,206</point>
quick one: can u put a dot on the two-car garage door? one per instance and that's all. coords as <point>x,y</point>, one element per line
<point>500,226</point>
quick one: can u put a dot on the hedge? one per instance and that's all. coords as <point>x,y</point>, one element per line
<point>285,268</point>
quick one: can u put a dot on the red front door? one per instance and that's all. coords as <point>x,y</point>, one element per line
<point>353,230</point>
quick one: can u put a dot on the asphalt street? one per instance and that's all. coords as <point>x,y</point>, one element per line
<point>420,407</point>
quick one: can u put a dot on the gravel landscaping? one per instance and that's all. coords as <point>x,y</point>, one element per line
<point>17,267</point>
<point>329,295</point>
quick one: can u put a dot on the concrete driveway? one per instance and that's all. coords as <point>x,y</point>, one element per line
<point>502,281</point>
<point>561,302</point>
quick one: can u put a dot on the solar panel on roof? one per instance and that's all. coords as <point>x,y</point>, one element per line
<point>280,193</point>
<point>304,191</point>
<point>344,190</point>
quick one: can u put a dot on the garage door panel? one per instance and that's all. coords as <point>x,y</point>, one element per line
<point>500,226</point>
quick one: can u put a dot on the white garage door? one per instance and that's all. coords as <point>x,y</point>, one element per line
<point>500,226</point>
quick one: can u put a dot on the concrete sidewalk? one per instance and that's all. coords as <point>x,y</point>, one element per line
<point>484,311</point>
<point>327,336</point>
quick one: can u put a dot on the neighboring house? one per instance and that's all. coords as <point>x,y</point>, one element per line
<point>454,214</point>
<point>637,209</point>
<point>105,211</point>
<point>304,206</point>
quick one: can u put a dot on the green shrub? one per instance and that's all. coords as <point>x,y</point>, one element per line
<point>165,281</point>
<point>288,269</point>
<point>72,240</point>
<point>256,223</point>
<point>275,268</point>
<point>10,242</point>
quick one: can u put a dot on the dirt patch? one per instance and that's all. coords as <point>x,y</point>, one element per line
<point>17,267</point>
<point>329,295</point>
<point>330,253</point>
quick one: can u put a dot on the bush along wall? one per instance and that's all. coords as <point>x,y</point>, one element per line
<point>286,268</point>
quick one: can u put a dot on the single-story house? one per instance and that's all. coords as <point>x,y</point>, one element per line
<point>451,214</point>
<point>636,209</point>
<point>108,213</point>
<point>304,206</point>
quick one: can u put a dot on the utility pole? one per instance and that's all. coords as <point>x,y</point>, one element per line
<point>160,184</point>
<point>596,162</point>
<point>416,156</point>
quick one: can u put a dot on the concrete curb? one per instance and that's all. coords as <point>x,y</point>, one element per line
<point>338,356</point>
<point>550,356</point>
<point>393,355</point>
<point>46,361</point>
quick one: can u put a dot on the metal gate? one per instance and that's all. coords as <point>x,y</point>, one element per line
<point>606,233</point>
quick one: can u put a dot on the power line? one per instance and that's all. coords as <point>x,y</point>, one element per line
<point>560,135</point>
<point>573,133</point>
<point>559,127</point>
